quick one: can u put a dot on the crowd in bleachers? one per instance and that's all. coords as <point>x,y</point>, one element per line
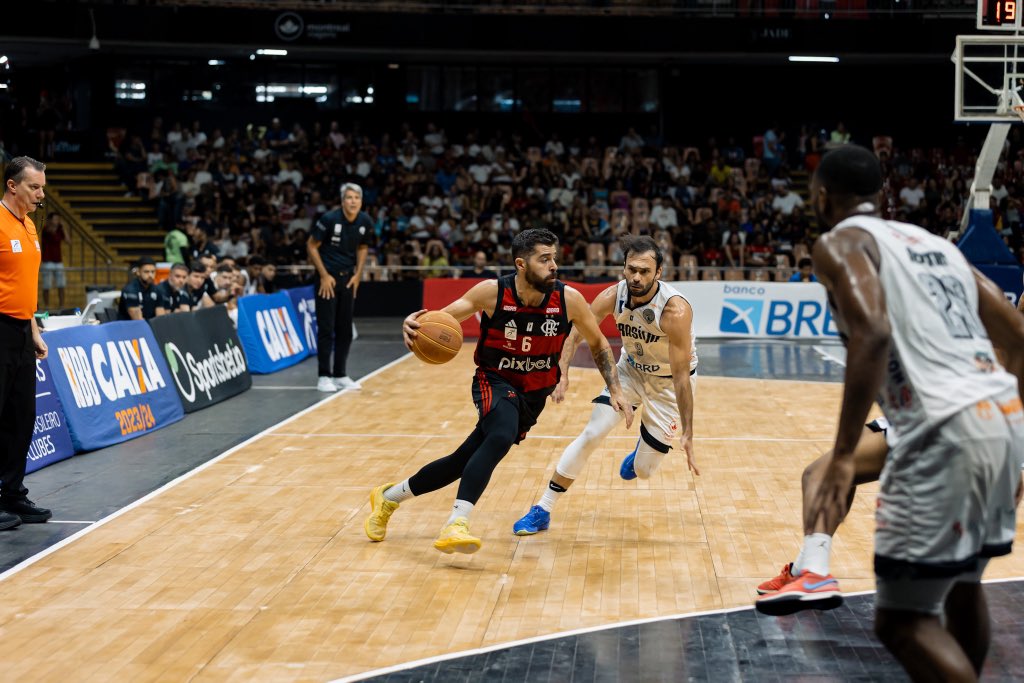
<point>718,209</point>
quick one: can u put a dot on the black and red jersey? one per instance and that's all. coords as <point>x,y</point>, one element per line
<point>523,343</point>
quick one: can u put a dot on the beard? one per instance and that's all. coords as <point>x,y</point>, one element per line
<point>641,293</point>
<point>541,284</point>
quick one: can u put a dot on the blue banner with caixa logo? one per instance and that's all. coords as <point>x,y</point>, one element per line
<point>51,441</point>
<point>304,301</point>
<point>112,381</point>
<point>268,328</point>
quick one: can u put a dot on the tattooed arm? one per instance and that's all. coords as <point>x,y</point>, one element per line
<point>583,319</point>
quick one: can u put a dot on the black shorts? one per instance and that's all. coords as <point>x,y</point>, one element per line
<point>489,388</point>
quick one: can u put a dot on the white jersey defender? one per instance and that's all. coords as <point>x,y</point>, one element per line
<point>644,343</point>
<point>955,413</point>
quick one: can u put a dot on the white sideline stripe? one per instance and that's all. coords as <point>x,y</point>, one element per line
<point>171,484</point>
<point>311,387</point>
<point>71,521</point>
<point>824,353</point>
<point>565,634</point>
<point>342,435</point>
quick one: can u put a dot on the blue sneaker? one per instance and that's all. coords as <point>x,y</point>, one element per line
<point>537,519</point>
<point>626,471</point>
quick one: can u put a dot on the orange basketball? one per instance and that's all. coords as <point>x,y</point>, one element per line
<point>439,338</point>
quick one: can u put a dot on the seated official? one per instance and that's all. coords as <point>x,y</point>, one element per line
<point>139,296</point>
<point>171,294</point>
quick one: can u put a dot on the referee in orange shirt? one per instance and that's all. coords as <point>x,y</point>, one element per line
<point>20,341</point>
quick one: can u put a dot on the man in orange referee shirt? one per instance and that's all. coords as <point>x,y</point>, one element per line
<point>20,341</point>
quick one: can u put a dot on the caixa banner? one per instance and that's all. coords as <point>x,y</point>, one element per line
<point>269,331</point>
<point>204,356</point>
<point>304,301</point>
<point>51,441</point>
<point>112,381</point>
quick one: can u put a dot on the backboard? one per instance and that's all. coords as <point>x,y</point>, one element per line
<point>989,78</point>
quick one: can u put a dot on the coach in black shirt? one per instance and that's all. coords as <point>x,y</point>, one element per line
<point>171,296</point>
<point>139,297</point>
<point>337,248</point>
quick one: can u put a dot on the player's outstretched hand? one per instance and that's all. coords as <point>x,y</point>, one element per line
<point>561,388</point>
<point>623,406</point>
<point>687,443</point>
<point>830,504</point>
<point>409,327</point>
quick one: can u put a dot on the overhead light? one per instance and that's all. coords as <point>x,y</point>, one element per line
<point>216,62</point>
<point>3,86</point>
<point>368,99</point>
<point>810,58</point>
<point>252,57</point>
<point>369,90</point>
<point>269,52</point>
<point>3,59</point>
<point>392,66</point>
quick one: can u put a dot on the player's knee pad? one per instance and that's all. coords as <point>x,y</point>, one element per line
<point>603,419</point>
<point>649,454</point>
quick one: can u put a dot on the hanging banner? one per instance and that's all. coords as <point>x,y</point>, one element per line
<point>51,441</point>
<point>204,356</point>
<point>269,331</point>
<point>112,381</point>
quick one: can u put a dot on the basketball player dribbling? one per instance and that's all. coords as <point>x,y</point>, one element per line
<point>919,325</point>
<point>525,320</point>
<point>656,368</point>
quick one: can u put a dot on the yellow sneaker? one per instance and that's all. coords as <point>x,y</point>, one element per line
<point>455,538</point>
<point>381,509</point>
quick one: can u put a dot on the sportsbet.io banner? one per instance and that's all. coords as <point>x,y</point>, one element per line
<point>269,329</point>
<point>112,381</point>
<point>204,355</point>
<point>51,441</point>
<point>304,301</point>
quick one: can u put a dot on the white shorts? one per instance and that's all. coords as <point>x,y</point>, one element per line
<point>51,274</point>
<point>947,499</point>
<point>657,396</point>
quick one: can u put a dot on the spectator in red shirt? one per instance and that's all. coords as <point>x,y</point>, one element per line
<point>51,271</point>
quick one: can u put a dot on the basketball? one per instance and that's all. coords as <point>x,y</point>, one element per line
<point>439,338</point>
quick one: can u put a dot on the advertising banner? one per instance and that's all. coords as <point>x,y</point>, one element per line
<point>304,301</point>
<point>204,356</point>
<point>269,331</point>
<point>760,310</point>
<point>51,441</point>
<point>112,381</point>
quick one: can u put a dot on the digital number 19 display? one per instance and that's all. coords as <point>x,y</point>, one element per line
<point>1002,15</point>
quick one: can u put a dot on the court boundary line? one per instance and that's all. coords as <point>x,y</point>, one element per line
<point>29,561</point>
<point>381,435</point>
<point>436,659</point>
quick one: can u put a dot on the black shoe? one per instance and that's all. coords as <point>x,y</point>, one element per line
<point>8,521</point>
<point>24,508</point>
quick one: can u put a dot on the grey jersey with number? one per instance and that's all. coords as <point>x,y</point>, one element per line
<point>644,344</point>
<point>940,359</point>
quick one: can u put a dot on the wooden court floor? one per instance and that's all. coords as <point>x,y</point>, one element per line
<point>256,568</point>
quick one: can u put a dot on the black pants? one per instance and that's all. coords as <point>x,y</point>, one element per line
<point>334,327</point>
<point>506,415</point>
<point>17,403</point>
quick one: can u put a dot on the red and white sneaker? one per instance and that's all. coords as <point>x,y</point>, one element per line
<point>806,591</point>
<point>772,585</point>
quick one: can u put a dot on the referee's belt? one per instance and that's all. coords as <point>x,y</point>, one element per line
<point>629,359</point>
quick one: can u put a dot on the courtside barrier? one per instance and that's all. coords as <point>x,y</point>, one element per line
<point>268,328</point>
<point>112,381</point>
<point>51,441</point>
<point>304,302</point>
<point>204,355</point>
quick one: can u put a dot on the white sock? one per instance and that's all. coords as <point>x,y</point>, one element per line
<point>462,508</point>
<point>814,556</point>
<point>551,495</point>
<point>399,492</point>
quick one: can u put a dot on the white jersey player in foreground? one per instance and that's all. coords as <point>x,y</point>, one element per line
<point>919,325</point>
<point>657,368</point>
